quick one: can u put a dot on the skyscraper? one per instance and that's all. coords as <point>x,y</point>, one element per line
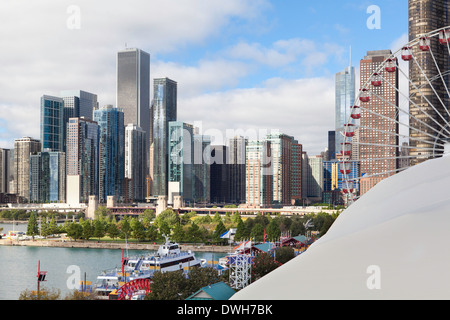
<point>136,160</point>
<point>236,162</point>
<point>219,178</point>
<point>181,161</point>
<point>48,177</point>
<point>345,96</point>
<point>23,148</point>
<point>426,16</point>
<point>164,111</point>
<point>202,168</point>
<point>286,163</point>
<point>112,152</point>
<point>259,174</point>
<point>133,88</point>
<point>6,170</point>
<point>52,123</point>
<point>378,134</point>
<point>79,103</point>
<point>314,177</point>
<point>82,163</point>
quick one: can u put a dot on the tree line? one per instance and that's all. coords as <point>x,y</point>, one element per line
<point>183,228</point>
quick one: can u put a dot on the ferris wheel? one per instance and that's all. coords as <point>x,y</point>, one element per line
<point>393,126</point>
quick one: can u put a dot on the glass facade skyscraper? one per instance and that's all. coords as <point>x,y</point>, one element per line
<point>236,162</point>
<point>82,160</point>
<point>52,123</point>
<point>164,110</point>
<point>345,96</point>
<point>81,102</point>
<point>133,88</point>
<point>181,159</point>
<point>112,152</point>
<point>48,177</point>
<point>135,161</point>
<point>202,168</point>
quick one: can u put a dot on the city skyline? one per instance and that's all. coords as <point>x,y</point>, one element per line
<point>265,59</point>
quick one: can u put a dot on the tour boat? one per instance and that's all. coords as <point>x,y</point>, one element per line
<point>169,257</point>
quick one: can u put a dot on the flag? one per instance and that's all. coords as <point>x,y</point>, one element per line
<point>226,235</point>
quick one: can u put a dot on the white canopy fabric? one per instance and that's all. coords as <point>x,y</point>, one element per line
<point>392,243</point>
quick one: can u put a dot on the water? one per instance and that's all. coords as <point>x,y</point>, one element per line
<point>19,265</point>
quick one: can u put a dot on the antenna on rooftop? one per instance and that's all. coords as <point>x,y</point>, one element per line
<point>350,62</point>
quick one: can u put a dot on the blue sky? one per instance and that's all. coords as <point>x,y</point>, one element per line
<point>249,65</point>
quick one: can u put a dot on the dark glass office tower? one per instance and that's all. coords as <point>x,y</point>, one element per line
<point>426,16</point>
<point>164,111</point>
<point>52,123</point>
<point>82,160</point>
<point>133,88</point>
<point>112,152</point>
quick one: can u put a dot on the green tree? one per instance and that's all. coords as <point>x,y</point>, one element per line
<point>257,232</point>
<point>201,277</point>
<point>101,212</point>
<point>297,227</point>
<point>125,228</point>
<point>236,218</point>
<point>44,228</point>
<point>241,232</point>
<point>284,254</point>
<point>88,229</point>
<point>53,226</point>
<point>112,230</point>
<point>138,230</point>
<point>152,233</point>
<point>263,263</point>
<point>32,227</point>
<point>74,230</point>
<point>168,216</point>
<point>193,233</point>
<point>219,230</point>
<point>216,217</point>
<point>273,231</point>
<point>328,221</point>
<point>168,286</point>
<point>178,233</point>
<point>99,228</point>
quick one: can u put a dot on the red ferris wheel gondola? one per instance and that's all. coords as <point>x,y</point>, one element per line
<point>347,187</point>
<point>356,114</point>
<point>390,65</point>
<point>406,53</point>
<point>364,95</point>
<point>444,36</point>
<point>349,130</point>
<point>424,43</point>
<point>346,168</point>
<point>346,148</point>
<point>376,80</point>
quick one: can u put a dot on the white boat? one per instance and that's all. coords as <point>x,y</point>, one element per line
<point>169,257</point>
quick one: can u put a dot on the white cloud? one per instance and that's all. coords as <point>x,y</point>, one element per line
<point>41,55</point>
<point>206,76</point>
<point>302,108</point>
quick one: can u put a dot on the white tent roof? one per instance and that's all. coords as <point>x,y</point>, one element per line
<point>393,243</point>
